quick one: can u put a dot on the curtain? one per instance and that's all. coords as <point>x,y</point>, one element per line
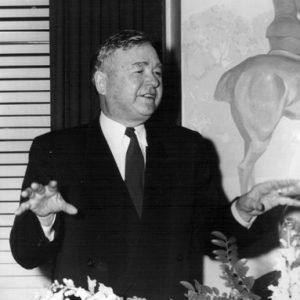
<point>77,28</point>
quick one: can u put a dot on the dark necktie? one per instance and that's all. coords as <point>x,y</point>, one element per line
<point>134,170</point>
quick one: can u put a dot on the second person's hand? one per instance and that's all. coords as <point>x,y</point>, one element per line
<point>267,195</point>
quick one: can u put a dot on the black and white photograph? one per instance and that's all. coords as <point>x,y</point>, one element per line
<point>149,149</point>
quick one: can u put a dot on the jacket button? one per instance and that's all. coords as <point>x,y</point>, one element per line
<point>179,257</point>
<point>40,243</point>
<point>90,262</point>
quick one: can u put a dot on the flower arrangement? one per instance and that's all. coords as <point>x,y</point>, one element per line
<point>67,291</point>
<point>289,266</point>
<point>234,273</point>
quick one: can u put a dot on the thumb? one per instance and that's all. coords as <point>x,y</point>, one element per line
<point>259,206</point>
<point>247,203</point>
<point>69,208</point>
<point>22,208</point>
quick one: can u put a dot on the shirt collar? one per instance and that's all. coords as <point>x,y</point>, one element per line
<point>114,131</point>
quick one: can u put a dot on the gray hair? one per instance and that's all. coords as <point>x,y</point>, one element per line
<point>125,39</point>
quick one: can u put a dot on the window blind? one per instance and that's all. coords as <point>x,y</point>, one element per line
<point>24,114</point>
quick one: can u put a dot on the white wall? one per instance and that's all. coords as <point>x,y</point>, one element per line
<point>24,114</point>
<point>216,35</point>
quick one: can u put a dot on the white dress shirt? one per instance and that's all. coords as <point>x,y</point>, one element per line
<point>118,142</point>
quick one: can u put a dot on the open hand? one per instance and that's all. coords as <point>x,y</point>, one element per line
<point>264,196</point>
<point>44,200</point>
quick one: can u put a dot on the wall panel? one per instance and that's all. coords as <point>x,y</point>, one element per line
<point>24,114</point>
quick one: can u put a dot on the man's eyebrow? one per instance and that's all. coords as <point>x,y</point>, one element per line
<point>145,63</point>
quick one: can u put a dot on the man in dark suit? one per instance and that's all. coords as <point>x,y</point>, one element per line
<point>80,211</point>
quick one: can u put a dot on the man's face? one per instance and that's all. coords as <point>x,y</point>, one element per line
<point>290,229</point>
<point>131,83</point>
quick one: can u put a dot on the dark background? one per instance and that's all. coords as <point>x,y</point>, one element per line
<point>77,28</point>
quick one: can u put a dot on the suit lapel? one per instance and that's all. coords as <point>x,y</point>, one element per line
<point>157,177</point>
<point>105,186</point>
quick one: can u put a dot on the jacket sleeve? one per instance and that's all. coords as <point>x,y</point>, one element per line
<point>213,212</point>
<point>212,207</point>
<point>29,245</point>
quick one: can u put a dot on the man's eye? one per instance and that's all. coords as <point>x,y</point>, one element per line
<point>289,224</point>
<point>158,73</point>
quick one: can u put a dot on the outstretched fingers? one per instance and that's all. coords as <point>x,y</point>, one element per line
<point>27,193</point>
<point>23,207</point>
<point>69,208</point>
<point>282,187</point>
<point>287,201</point>
<point>52,187</point>
<point>44,200</point>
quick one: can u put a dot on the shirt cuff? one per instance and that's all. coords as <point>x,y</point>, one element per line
<point>48,228</point>
<point>238,218</point>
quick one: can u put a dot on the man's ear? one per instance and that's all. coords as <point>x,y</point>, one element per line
<point>100,80</point>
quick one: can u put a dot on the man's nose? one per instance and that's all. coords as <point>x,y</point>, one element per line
<point>152,79</point>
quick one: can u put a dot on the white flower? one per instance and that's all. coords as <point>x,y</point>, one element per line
<point>288,284</point>
<point>82,293</point>
<point>105,290</point>
<point>63,291</point>
<point>57,296</point>
<point>98,296</point>
<point>69,283</point>
<point>91,284</point>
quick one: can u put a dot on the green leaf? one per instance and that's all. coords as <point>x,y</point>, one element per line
<point>194,297</point>
<point>198,286</point>
<point>240,268</point>
<point>238,285</point>
<point>233,259</point>
<point>249,282</point>
<point>220,252</point>
<point>219,235</point>
<point>233,247</point>
<point>249,295</point>
<point>216,291</point>
<point>207,289</point>
<point>232,240</point>
<point>187,285</point>
<point>219,243</point>
<point>232,254</point>
<point>221,259</point>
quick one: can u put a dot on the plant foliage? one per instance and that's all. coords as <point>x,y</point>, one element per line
<point>233,272</point>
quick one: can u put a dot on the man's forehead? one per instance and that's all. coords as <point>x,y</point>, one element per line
<point>293,216</point>
<point>138,54</point>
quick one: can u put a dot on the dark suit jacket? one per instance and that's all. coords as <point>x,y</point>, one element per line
<point>106,240</point>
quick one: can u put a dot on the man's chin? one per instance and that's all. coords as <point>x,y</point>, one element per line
<point>147,110</point>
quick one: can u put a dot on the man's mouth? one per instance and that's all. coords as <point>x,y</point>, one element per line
<point>150,96</point>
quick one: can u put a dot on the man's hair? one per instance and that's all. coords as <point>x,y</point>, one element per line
<point>125,39</point>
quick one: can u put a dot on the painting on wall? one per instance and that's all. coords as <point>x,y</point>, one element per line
<point>251,114</point>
